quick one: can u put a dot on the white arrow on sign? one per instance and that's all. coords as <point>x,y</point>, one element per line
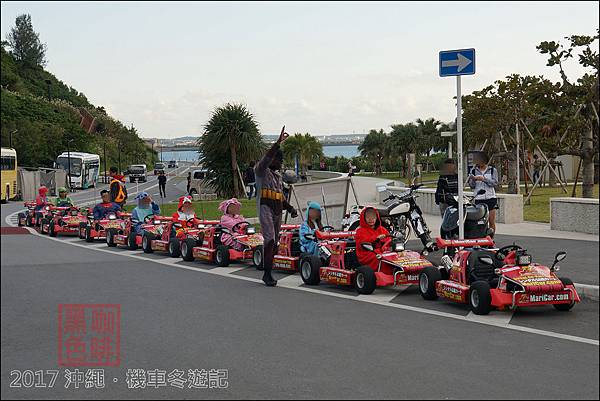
<point>461,62</point>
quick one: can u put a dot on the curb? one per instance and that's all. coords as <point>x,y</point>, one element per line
<point>587,291</point>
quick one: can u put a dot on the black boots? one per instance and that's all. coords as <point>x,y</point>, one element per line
<point>269,251</point>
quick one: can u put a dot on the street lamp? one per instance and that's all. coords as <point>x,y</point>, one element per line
<point>449,134</point>
<point>69,161</point>
<point>10,137</point>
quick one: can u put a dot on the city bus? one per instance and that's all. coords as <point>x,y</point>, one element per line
<point>8,189</point>
<point>85,168</point>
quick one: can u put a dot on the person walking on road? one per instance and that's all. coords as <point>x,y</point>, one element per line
<point>162,184</point>
<point>271,202</point>
<point>118,191</point>
<point>250,179</point>
<point>447,185</point>
<point>483,176</point>
<point>189,182</point>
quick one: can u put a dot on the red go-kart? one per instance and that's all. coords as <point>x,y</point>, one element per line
<point>172,235</point>
<point>62,220</point>
<point>92,230</point>
<point>214,251</point>
<point>127,237</point>
<point>27,217</point>
<point>396,266</point>
<point>504,279</point>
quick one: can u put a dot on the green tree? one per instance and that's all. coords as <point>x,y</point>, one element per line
<point>306,147</point>
<point>576,122</point>
<point>375,148</point>
<point>231,136</point>
<point>429,136</point>
<point>25,43</point>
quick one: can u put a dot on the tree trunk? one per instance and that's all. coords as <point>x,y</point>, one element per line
<point>588,165</point>
<point>234,168</point>
<point>551,177</point>
<point>512,173</point>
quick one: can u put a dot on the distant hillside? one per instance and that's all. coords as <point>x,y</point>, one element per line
<point>44,127</point>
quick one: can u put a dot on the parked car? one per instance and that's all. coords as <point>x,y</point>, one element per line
<point>173,164</point>
<point>137,172</point>
<point>199,183</point>
<point>159,167</point>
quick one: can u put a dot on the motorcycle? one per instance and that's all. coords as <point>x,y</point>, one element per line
<point>400,215</point>
<point>476,218</point>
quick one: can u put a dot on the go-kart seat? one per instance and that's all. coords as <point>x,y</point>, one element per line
<point>476,212</point>
<point>296,243</point>
<point>478,270</point>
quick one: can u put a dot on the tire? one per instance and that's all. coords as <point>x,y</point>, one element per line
<point>82,228</point>
<point>257,256</point>
<point>564,307</point>
<point>110,237</point>
<point>29,220</point>
<point>19,218</point>
<point>222,256</point>
<point>187,247</point>
<point>131,243</point>
<point>88,234</point>
<point>427,279</point>
<point>480,298</point>
<point>364,280</point>
<point>51,229</point>
<point>147,239</point>
<point>310,269</point>
<point>174,248</point>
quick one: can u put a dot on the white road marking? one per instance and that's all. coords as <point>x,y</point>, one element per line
<point>500,318</point>
<point>291,281</point>
<point>384,294</point>
<point>228,270</point>
<point>370,299</point>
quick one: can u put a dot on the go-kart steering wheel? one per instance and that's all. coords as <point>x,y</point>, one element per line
<point>503,252</point>
<point>235,227</point>
<point>148,219</point>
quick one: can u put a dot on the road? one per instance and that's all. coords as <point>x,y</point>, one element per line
<point>291,341</point>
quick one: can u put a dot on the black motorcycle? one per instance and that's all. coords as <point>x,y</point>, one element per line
<point>476,218</point>
<point>399,215</point>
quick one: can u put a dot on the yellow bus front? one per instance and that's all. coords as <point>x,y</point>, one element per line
<point>8,189</point>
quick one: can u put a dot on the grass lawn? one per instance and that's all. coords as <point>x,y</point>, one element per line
<point>208,207</point>
<point>539,207</point>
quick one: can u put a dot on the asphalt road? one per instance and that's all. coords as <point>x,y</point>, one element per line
<point>290,341</point>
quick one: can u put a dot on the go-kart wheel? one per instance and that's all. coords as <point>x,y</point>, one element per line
<point>222,256</point>
<point>257,256</point>
<point>480,298</point>
<point>110,237</point>
<point>427,279</point>
<point>174,248</point>
<point>310,269</point>
<point>88,234</point>
<point>565,307</point>
<point>20,217</point>
<point>131,241</point>
<point>51,228</point>
<point>187,247</point>
<point>29,221</point>
<point>364,280</point>
<point>82,227</point>
<point>147,239</point>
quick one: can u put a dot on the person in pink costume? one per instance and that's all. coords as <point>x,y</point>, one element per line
<point>231,217</point>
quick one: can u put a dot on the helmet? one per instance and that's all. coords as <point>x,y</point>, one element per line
<point>43,190</point>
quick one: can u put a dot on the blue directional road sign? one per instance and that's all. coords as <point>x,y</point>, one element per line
<point>457,62</point>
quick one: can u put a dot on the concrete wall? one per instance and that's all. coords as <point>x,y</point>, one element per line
<point>574,214</point>
<point>323,175</point>
<point>511,206</point>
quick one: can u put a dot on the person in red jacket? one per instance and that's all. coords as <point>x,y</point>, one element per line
<point>185,213</point>
<point>370,231</point>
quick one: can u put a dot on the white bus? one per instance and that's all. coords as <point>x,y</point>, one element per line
<point>85,168</point>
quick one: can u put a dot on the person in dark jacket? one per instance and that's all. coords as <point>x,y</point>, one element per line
<point>189,182</point>
<point>250,180</point>
<point>447,184</point>
<point>162,184</point>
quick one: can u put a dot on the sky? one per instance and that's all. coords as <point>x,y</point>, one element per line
<point>323,68</point>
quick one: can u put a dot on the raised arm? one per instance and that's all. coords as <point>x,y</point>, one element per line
<point>262,166</point>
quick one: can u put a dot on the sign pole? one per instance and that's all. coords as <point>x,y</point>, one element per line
<point>459,159</point>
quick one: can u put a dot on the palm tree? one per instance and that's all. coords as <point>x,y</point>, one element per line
<point>230,136</point>
<point>429,136</point>
<point>304,146</point>
<point>375,147</point>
